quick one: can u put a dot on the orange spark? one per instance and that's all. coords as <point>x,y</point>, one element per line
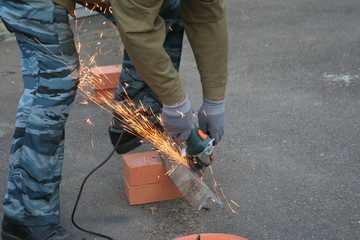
<point>90,122</point>
<point>204,112</point>
<point>216,187</point>
<point>107,52</point>
<point>79,46</point>
<point>212,175</point>
<point>67,65</point>
<point>232,210</point>
<point>235,203</point>
<point>152,210</point>
<point>181,114</point>
<point>77,28</point>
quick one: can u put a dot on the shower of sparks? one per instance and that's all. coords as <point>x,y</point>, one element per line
<point>102,8</point>
<point>133,116</point>
<point>217,187</point>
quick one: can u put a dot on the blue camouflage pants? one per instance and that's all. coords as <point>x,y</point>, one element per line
<point>50,67</point>
<point>131,82</point>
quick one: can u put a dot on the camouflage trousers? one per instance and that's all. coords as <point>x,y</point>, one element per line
<point>131,83</point>
<point>50,67</point>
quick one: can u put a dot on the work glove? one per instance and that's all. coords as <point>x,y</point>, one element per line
<point>211,117</point>
<point>177,120</point>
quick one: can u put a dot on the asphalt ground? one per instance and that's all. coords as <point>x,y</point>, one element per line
<point>290,156</point>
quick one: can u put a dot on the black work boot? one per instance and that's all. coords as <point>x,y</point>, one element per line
<point>128,141</point>
<point>12,231</point>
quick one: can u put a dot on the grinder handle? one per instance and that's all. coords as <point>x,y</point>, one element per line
<point>197,141</point>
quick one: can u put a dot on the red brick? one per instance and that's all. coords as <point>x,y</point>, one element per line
<point>148,193</point>
<point>144,168</point>
<point>145,179</point>
<point>108,77</point>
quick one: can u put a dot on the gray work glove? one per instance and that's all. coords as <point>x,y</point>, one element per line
<point>211,117</point>
<point>177,120</point>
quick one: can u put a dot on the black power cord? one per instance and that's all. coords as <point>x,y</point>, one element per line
<point>81,189</point>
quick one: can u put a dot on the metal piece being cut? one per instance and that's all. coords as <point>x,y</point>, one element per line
<point>195,191</point>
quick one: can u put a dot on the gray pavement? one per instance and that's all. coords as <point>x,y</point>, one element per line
<point>291,154</point>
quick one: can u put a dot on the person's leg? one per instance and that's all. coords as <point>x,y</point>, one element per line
<point>50,67</point>
<point>133,86</point>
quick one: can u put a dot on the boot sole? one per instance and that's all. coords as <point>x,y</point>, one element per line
<point>128,146</point>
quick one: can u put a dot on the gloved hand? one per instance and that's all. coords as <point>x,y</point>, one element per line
<point>177,120</point>
<point>211,117</point>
